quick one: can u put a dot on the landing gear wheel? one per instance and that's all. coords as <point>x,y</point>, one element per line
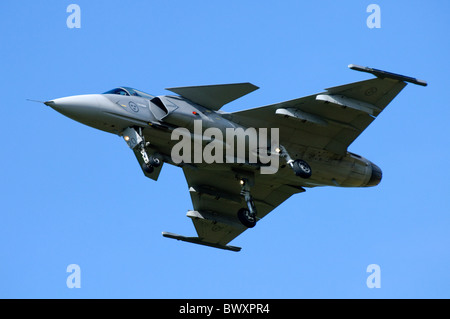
<point>154,161</point>
<point>301,168</point>
<point>147,168</point>
<point>246,218</point>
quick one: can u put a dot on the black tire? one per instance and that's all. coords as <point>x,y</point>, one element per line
<point>154,161</point>
<point>302,169</point>
<point>245,218</point>
<point>147,169</point>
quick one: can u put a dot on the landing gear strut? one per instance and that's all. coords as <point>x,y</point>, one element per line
<point>300,167</point>
<point>247,216</point>
<point>136,141</point>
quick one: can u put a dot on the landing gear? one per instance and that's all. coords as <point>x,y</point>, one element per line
<point>154,161</point>
<point>147,168</point>
<point>300,167</point>
<point>247,216</point>
<point>151,164</point>
<point>136,141</point>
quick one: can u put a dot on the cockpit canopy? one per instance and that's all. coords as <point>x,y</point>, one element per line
<point>127,91</point>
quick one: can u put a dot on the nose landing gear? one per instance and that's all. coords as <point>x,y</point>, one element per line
<point>136,141</point>
<point>150,163</point>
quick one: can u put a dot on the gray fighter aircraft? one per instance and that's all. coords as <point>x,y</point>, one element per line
<point>314,133</point>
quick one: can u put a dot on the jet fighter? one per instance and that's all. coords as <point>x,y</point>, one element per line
<point>309,145</point>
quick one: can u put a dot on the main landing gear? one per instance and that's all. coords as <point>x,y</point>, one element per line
<point>247,216</point>
<point>136,141</point>
<point>300,167</point>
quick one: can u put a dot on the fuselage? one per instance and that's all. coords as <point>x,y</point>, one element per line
<point>157,117</point>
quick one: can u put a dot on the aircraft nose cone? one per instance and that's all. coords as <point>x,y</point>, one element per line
<point>78,107</point>
<point>375,177</point>
<point>74,103</point>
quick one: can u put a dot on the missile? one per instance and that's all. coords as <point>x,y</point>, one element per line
<point>384,74</point>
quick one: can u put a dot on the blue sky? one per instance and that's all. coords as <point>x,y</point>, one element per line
<point>74,195</point>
